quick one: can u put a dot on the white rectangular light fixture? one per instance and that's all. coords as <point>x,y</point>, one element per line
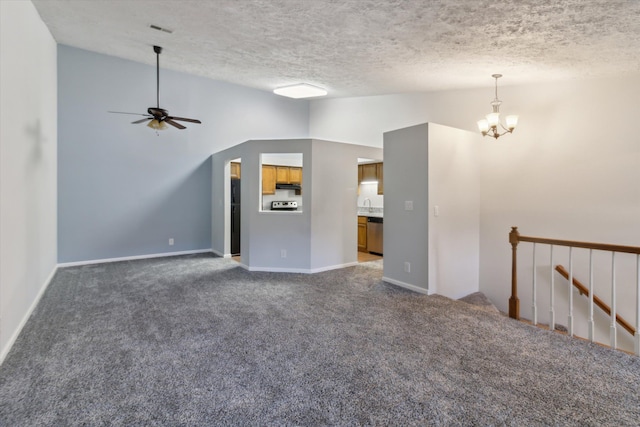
<point>301,90</point>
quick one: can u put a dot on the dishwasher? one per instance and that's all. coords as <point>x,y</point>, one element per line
<point>374,235</point>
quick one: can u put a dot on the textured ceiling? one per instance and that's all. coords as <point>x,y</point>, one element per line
<point>361,47</point>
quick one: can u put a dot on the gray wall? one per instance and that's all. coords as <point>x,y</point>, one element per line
<point>321,237</point>
<point>123,190</point>
<point>27,165</point>
<point>334,219</point>
<point>432,166</point>
<point>406,233</point>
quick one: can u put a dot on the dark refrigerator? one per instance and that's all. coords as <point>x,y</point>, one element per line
<point>235,217</point>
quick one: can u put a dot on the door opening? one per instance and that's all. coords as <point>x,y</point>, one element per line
<point>235,212</point>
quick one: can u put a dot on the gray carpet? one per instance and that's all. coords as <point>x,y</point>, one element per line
<point>199,341</point>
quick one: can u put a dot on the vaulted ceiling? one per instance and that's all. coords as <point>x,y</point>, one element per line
<point>361,47</point>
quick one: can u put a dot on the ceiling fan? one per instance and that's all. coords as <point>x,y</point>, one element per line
<point>156,116</point>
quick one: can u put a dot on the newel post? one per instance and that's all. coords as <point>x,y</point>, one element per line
<point>514,302</point>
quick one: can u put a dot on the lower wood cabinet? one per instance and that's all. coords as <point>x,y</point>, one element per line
<point>362,233</point>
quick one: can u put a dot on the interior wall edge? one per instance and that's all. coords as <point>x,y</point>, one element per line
<point>16,333</point>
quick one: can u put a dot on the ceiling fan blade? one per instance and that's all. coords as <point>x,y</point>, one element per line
<point>141,120</point>
<point>121,112</point>
<point>172,123</point>
<point>182,119</point>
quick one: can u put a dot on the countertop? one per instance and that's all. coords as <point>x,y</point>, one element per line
<point>373,212</point>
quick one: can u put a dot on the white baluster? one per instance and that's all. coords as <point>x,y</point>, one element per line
<point>613,335</point>
<point>552,320</point>
<point>570,320</point>
<point>591,322</point>
<point>534,306</point>
<point>637,336</point>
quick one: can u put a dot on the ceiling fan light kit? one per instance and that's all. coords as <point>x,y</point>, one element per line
<point>159,117</point>
<point>156,125</point>
<point>300,90</point>
<point>489,125</point>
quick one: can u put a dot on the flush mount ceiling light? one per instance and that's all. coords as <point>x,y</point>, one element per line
<point>489,126</point>
<point>301,90</point>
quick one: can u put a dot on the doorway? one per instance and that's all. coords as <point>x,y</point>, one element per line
<point>235,175</point>
<point>370,208</point>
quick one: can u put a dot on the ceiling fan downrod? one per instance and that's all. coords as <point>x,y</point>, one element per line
<point>158,51</point>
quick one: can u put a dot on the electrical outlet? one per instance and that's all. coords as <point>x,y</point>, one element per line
<point>283,253</point>
<point>171,241</point>
<point>408,205</point>
<point>407,267</point>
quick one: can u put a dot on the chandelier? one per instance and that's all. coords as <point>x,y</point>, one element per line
<point>489,126</point>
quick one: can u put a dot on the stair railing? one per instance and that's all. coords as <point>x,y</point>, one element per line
<point>597,301</point>
<point>514,303</point>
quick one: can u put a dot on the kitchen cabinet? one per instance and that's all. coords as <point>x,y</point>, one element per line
<point>369,172</point>
<point>268,179</point>
<point>235,170</point>
<point>362,233</point>
<point>288,175</point>
<point>295,175</point>
<point>282,174</point>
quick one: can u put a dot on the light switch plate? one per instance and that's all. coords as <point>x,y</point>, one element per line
<point>408,205</point>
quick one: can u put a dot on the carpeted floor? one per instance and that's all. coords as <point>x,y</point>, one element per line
<point>197,340</point>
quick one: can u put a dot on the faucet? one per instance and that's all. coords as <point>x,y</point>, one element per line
<point>364,202</point>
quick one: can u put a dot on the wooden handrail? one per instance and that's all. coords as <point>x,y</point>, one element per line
<point>600,303</point>
<point>575,244</point>
<point>515,238</point>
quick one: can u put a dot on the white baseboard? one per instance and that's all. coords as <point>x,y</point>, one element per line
<point>406,285</point>
<point>26,316</point>
<point>333,267</point>
<point>277,269</point>
<point>130,258</point>
<point>299,270</point>
<point>220,254</point>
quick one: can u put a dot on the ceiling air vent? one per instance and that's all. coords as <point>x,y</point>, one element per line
<point>166,30</point>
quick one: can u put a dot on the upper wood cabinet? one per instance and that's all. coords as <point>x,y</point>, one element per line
<point>288,175</point>
<point>272,175</point>
<point>369,172</point>
<point>268,179</point>
<point>295,175</point>
<point>235,170</point>
<point>282,174</point>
